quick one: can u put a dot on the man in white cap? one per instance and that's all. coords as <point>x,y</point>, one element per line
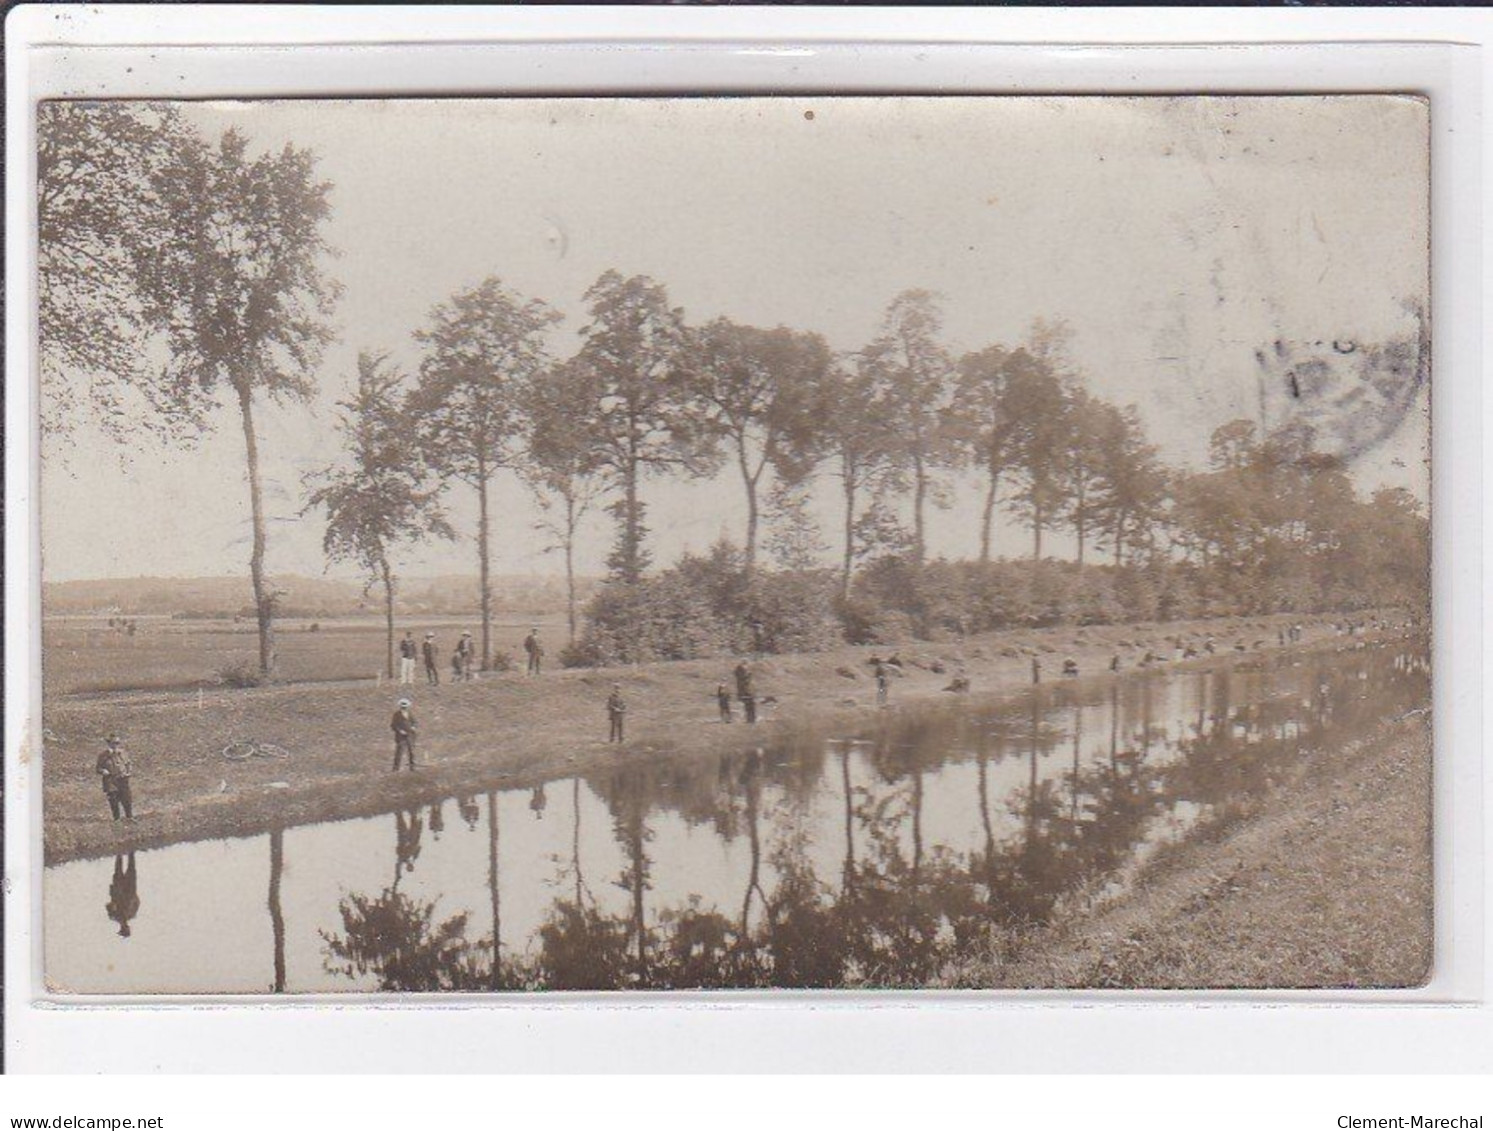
<point>403,726</point>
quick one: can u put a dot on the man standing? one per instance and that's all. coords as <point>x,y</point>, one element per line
<point>432,669</point>
<point>407,659</point>
<point>466,650</point>
<point>403,726</point>
<point>534,649</point>
<point>616,712</point>
<point>745,692</point>
<point>115,769</point>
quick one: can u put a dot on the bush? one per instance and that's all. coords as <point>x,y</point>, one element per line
<point>708,606</point>
<point>581,654</point>
<point>241,673</point>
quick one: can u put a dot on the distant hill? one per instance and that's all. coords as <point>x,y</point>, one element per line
<point>452,594</point>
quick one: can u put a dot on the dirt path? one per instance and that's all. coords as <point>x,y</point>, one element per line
<point>1329,886</point>
<point>509,730</point>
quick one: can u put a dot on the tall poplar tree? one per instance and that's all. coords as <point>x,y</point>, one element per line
<point>483,347</point>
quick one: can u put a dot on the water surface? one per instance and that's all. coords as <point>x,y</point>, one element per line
<point>870,857</point>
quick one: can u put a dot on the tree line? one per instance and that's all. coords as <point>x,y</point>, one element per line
<point>158,242</point>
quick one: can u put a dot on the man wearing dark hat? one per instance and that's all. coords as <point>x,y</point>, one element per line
<point>745,691</point>
<point>115,769</point>
<point>466,652</point>
<point>403,726</point>
<point>432,669</point>
<point>616,713</point>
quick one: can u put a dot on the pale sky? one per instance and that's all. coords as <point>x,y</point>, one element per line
<point>1174,235</point>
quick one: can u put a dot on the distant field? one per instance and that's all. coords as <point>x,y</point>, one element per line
<point>83,654</point>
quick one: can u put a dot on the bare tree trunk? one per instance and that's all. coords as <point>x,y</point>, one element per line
<point>277,916</point>
<point>749,481</point>
<point>1114,725</point>
<point>495,979</point>
<point>849,877</point>
<point>264,607</point>
<point>1079,530</point>
<point>919,494</point>
<point>917,823</point>
<point>1036,533</point>
<point>484,566</point>
<point>570,582</point>
<point>1077,741</point>
<point>755,843</point>
<point>849,563</point>
<point>575,842</point>
<point>388,579</point>
<point>626,559</point>
<point>751,530</point>
<point>987,524</point>
<point>636,838</point>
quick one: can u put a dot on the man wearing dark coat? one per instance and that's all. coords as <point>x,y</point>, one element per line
<point>745,692</point>
<point>616,713</point>
<point>115,770</point>
<point>403,726</point>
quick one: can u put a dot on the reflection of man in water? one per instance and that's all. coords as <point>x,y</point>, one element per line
<point>746,692</point>
<point>407,838</point>
<point>124,898</point>
<point>467,807</point>
<point>437,819</point>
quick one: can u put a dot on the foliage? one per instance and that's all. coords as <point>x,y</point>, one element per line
<point>232,280</point>
<point>642,415</point>
<point>710,606</point>
<point>909,371</point>
<point>380,500</point>
<point>759,391</point>
<point>240,674</point>
<point>483,349</point>
<point>859,442</point>
<point>562,462</point>
<point>97,206</point>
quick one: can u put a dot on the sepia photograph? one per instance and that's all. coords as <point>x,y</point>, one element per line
<point>505,545</point>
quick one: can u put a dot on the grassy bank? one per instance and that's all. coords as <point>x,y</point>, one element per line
<point>1326,884</point>
<point>506,730</point>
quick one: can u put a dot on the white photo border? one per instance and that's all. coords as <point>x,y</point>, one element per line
<point>192,51</point>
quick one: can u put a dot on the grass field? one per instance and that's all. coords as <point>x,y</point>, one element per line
<point>84,655</point>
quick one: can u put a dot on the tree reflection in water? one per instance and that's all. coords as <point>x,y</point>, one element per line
<point>900,910</point>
